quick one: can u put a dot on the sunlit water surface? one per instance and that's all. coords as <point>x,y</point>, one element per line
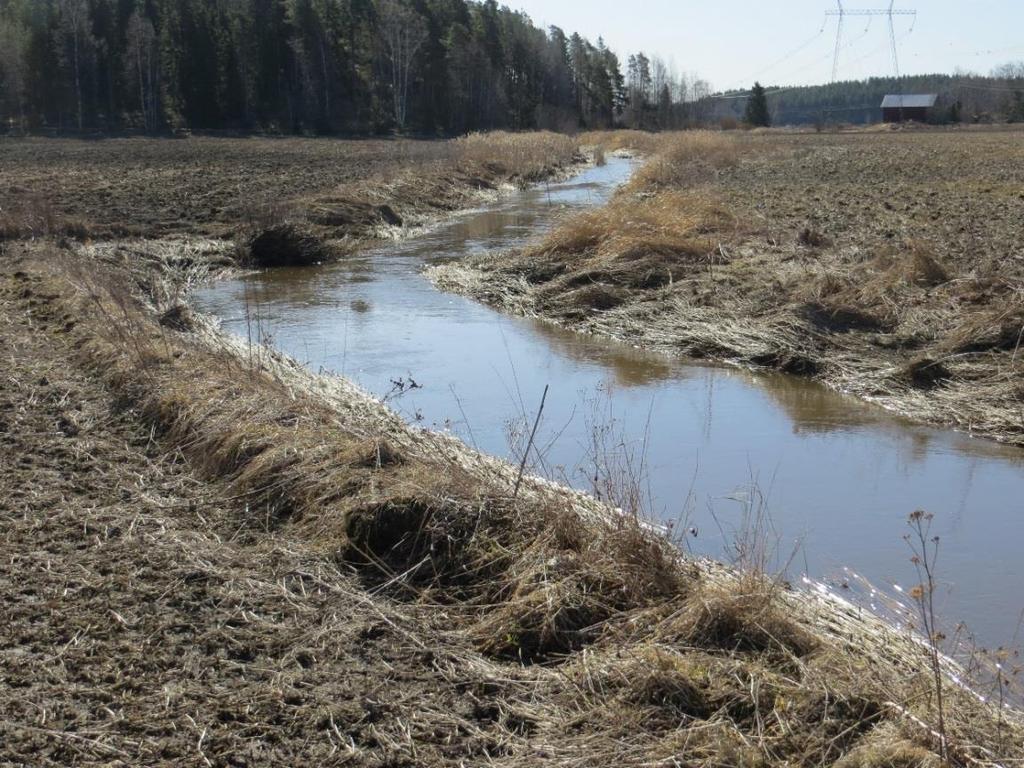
<point>837,477</point>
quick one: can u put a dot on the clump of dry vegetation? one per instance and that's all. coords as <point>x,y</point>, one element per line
<point>32,216</point>
<point>524,158</point>
<point>619,140</point>
<point>683,159</point>
<point>640,244</point>
<point>884,264</point>
<point>564,624</point>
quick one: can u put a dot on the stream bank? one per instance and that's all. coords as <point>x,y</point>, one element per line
<point>703,447</point>
<point>281,549</point>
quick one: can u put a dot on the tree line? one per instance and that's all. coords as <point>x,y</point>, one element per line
<point>963,98</point>
<point>371,66</point>
<point>322,66</point>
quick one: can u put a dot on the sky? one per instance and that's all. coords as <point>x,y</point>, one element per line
<point>791,42</point>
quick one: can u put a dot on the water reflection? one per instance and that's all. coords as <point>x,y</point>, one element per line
<point>836,473</point>
<point>627,367</point>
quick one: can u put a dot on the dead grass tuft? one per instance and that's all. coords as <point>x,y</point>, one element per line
<point>523,157</point>
<point>687,158</point>
<point>872,296</point>
<point>637,244</point>
<point>741,619</point>
<point>629,140</point>
<point>886,748</point>
<point>923,267</point>
<point>999,327</point>
<point>34,216</point>
<point>674,683</point>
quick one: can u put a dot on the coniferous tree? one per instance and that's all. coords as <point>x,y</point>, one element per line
<point>758,114</point>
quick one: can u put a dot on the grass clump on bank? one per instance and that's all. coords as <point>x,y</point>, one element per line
<point>523,158</point>
<point>570,625</point>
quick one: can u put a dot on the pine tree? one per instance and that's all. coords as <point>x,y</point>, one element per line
<point>757,108</point>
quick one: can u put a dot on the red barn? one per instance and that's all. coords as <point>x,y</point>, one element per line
<point>902,108</point>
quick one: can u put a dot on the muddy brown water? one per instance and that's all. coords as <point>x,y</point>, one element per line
<point>832,478</point>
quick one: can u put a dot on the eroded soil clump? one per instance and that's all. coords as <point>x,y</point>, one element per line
<point>886,264</point>
<point>287,245</point>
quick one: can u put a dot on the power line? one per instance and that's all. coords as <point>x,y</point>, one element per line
<point>783,59</point>
<point>842,12</point>
<point>825,57</point>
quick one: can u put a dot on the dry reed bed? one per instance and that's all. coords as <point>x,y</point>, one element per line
<point>601,643</point>
<point>918,306</point>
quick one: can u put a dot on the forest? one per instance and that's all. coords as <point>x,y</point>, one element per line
<point>308,66</point>
<point>420,67</point>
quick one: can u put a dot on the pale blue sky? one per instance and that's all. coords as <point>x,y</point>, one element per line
<point>732,42</point>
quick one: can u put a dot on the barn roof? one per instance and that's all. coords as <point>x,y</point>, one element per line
<point>910,101</point>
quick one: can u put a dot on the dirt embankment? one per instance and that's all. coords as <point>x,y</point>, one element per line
<point>217,558</point>
<point>888,265</point>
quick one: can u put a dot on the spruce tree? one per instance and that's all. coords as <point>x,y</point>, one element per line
<point>757,108</point>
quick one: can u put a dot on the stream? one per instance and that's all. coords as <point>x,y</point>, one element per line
<point>714,451</point>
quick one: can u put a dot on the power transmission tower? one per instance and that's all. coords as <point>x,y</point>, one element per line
<point>891,12</point>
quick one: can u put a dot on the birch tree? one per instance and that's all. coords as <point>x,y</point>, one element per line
<point>76,42</point>
<point>140,64</point>
<point>403,33</point>
<point>13,44</point>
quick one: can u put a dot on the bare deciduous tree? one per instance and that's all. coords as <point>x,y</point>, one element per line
<point>1013,70</point>
<point>140,64</point>
<point>76,41</point>
<point>13,68</point>
<point>403,32</point>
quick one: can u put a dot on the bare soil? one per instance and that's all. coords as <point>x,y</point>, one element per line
<point>223,187</point>
<point>886,264</point>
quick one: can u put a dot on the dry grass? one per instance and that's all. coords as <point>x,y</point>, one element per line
<point>687,158</point>
<point>523,157</point>
<point>596,259</point>
<point>614,141</point>
<point>33,216</point>
<point>588,631</point>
